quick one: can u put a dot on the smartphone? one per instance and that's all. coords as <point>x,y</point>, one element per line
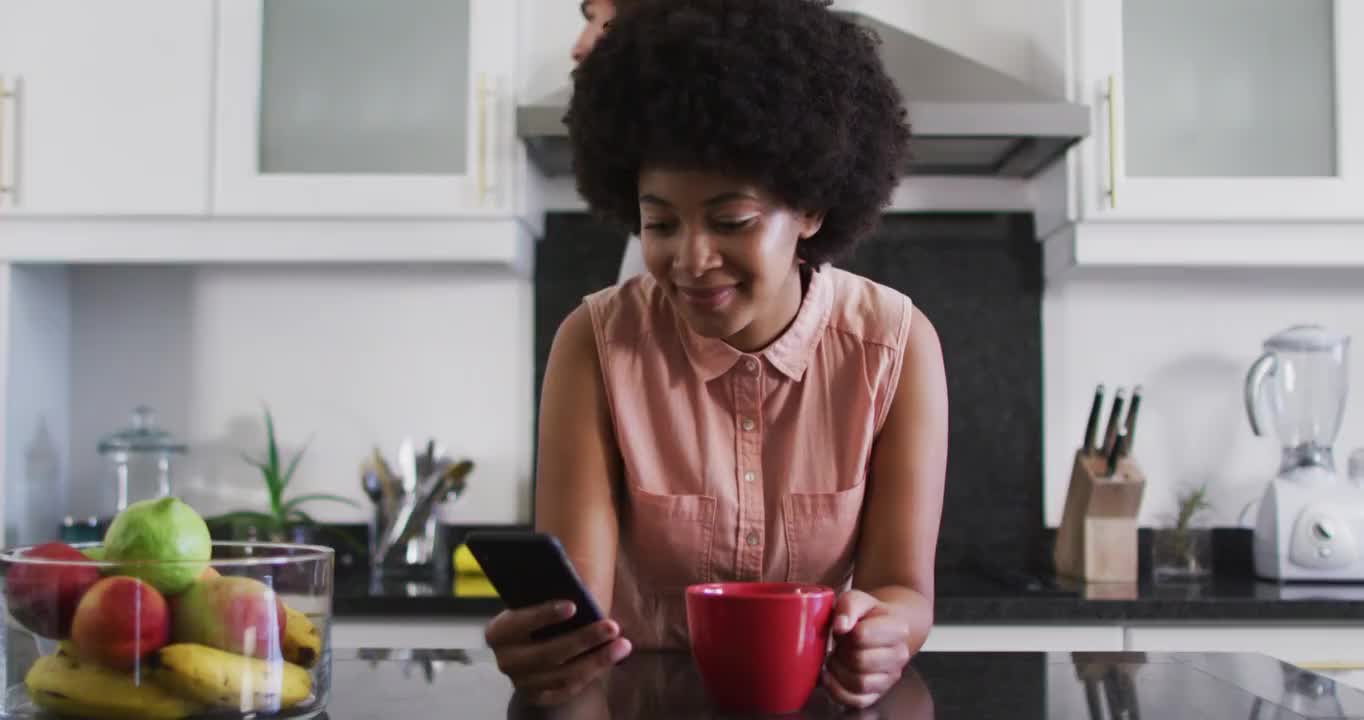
<point>529,568</point>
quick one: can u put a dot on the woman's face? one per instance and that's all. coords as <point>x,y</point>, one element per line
<point>724,251</point>
<point>597,14</point>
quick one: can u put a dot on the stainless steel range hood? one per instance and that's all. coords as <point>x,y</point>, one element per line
<point>966,118</point>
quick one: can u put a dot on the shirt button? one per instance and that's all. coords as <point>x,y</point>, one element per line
<point>752,539</point>
<point>748,476</point>
<point>747,424</point>
<point>751,364</point>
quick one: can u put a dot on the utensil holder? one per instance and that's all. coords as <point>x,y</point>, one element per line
<point>1097,538</point>
<point>424,556</point>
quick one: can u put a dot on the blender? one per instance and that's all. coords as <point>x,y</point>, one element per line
<point>1310,524</point>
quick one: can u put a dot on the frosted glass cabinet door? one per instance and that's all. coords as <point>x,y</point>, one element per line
<point>1224,109</point>
<point>364,107</point>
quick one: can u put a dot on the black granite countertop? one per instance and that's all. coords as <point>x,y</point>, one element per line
<point>966,597</point>
<point>936,686</point>
<point>976,593</point>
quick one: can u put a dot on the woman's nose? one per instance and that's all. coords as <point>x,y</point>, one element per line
<point>586,39</point>
<point>696,254</point>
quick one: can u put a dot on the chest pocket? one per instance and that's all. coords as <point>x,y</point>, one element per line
<point>821,535</point>
<point>671,536</point>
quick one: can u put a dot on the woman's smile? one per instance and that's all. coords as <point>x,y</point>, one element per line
<point>708,298</point>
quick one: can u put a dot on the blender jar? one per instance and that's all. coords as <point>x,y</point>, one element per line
<point>139,458</point>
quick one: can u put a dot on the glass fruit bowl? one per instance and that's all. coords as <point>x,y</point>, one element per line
<point>245,633</point>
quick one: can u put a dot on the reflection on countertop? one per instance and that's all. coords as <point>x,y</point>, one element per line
<point>940,686</point>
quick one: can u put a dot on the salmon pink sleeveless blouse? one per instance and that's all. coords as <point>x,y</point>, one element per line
<point>741,466</point>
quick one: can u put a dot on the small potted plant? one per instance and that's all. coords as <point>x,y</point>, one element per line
<point>1183,551</point>
<point>285,520</point>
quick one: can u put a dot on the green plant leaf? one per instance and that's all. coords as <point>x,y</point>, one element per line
<point>264,521</point>
<point>293,504</point>
<point>255,463</point>
<point>293,464</point>
<point>273,449</point>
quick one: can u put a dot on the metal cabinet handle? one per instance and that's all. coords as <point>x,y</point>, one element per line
<point>1111,100</point>
<point>487,109</point>
<point>1331,666</point>
<point>7,93</point>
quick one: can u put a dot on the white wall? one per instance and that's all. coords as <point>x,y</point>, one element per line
<point>352,356</point>
<point>36,403</point>
<point>1188,338</point>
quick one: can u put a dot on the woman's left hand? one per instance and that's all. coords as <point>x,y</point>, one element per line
<point>870,649</point>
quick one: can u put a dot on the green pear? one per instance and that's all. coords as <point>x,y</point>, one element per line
<point>161,541</point>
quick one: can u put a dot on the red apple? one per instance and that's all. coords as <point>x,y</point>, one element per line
<point>237,614</point>
<point>119,621</point>
<point>208,574</point>
<point>43,596</point>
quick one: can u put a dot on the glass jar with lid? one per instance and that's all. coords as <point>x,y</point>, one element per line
<point>140,458</point>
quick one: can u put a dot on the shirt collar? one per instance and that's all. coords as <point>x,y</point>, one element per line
<point>790,353</point>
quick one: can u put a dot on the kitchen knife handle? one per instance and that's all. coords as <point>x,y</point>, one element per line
<point>1114,422</point>
<point>1092,425</point>
<point>1111,100</point>
<point>1130,423</point>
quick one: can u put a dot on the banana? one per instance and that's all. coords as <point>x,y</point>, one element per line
<point>227,680</point>
<point>63,685</point>
<point>302,641</point>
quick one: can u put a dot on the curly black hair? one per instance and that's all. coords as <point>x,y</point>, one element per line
<point>783,93</point>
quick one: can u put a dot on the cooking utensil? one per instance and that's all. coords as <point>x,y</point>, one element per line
<point>407,466</point>
<point>426,462</point>
<point>388,485</point>
<point>1092,426</point>
<point>1114,422</point>
<point>1130,423</point>
<point>373,486</point>
<point>417,506</point>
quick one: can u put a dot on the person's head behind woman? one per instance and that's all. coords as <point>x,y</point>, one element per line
<point>740,138</point>
<point>597,17</point>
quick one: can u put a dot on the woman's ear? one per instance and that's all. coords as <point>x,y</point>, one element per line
<point>810,223</point>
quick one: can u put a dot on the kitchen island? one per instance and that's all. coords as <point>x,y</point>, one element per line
<point>373,683</point>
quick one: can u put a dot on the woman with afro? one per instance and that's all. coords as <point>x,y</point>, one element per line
<point>743,410</point>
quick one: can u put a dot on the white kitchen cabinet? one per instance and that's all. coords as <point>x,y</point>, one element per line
<point>1023,638</point>
<point>408,632</point>
<point>357,107</point>
<point>1221,110</point>
<point>105,107</point>
<point>1335,650</point>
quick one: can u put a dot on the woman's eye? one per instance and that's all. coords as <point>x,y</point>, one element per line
<point>658,226</point>
<point>733,225</point>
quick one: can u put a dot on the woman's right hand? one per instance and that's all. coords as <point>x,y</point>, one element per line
<point>550,672</point>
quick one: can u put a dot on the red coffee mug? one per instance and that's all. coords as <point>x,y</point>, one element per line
<point>759,646</point>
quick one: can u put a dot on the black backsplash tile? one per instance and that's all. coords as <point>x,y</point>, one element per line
<point>978,277</point>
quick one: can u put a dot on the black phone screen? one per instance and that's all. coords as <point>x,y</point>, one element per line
<point>529,568</point>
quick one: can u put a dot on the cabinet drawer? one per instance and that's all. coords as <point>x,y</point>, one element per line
<point>1023,638</point>
<point>1306,645</point>
<point>419,632</point>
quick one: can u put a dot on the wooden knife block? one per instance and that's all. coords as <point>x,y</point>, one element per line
<point>1097,539</point>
